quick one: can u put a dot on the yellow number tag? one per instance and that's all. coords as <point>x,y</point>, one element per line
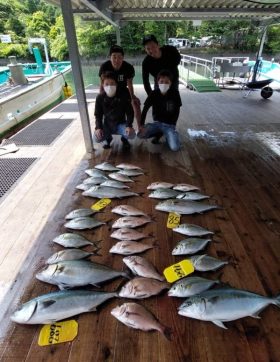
<point>58,332</point>
<point>173,220</point>
<point>100,204</point>
<point>177,271</point>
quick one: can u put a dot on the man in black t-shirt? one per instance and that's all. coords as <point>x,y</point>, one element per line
<point>158,58</point>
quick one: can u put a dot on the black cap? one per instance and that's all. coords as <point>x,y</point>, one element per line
<point>148,38</point>
<point>116,49</point>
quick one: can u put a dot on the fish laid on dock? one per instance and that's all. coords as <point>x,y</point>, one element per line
<point>192,196</point>
<point>128,210</point>
<point>106,166</point>
<point>206,263</point>
<point>129,247</point>
<point>190,246</point>
<point>189,286</point>
<point>128,166</point>
<point>80,213</point>
<point>101,192</point>
<point>93,172</point>
<point>81,223</point>
<point>185,187</point>
<point>140,288</point>
<point>192,230</point>
<point>72,240</point>
<point>164,194</point>
<point>95,180</point>
<point>120,177</point>
<point>115,184</point>
<point>131,222</point>
<point>128,234</point>
<point>131,173</point>
<point>68,254</point>
<point>160,185</point>
<point>185,207</point>
<point>142,267</point>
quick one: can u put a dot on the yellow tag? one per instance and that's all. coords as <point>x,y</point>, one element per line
<point>173,220</point>
<point>177,271</point>
<point>100,204</point>
<point>58,332</point>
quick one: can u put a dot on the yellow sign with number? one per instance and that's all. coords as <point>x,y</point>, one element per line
<point>178,271</point>
<point>100,204</point>
<point>58,332</point>
<point>173,220</point>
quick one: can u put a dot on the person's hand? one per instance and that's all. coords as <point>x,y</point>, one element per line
<point>136,100</point>
<point>140,130</point>
<point>129,131</point>
<point>98,134</point>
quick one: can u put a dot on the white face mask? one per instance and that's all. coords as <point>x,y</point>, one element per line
<point>163,88</point>
<point>110,90</point>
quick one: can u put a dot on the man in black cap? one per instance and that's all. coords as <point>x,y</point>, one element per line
<point>124,73</point>
<point>158,58</point>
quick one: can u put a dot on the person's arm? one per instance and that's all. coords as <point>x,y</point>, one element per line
<point>129,115</point>
<point>147,105</point>
<point>98,113</point>
<point>145,77</point>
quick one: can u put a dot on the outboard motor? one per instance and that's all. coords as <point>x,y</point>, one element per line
<point>16,70</point>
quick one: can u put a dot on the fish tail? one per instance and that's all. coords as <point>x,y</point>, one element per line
<point>167,332</point>
<point>277,301</point>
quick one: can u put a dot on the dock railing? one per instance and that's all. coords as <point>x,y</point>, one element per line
<point>190,64</point>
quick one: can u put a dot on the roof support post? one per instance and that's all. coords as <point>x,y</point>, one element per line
<point>118,35</point>
<point>77,71</point>
<point>259,54</point>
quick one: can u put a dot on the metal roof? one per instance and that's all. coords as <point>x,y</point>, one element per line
<point>118,11</point>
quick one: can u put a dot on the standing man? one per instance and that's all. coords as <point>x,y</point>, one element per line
<point>124,73</point>
<point>158,58</point>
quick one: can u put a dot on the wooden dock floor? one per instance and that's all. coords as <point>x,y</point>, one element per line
<point>230,149</point>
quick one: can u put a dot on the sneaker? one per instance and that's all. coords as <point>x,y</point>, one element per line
<point>156,140</point>
<point>126,144</point>
<point>107,144</point>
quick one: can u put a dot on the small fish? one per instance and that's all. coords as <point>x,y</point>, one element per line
<point>129,247</point>
<point>131,222</point>
<point>119,177</point>
<point>106,166</point>
<point>80,213</point>
<point>185,207</point>
<point>115,184</point>
<point>190,246</point>
<point>185,187</point>
<point>142,267</point>
<point>160,185</point>
<point>193,196</point>
<point>81,223</point>
<point>206,263</point>
<point>84,187</point>
<point>101,192</point>
<point>52,307</point>
<point>128,210</point>
<point>131,173</point>
<point>136,316</point>
<point>93,172</point>
<point>68,254</point>
<point>96,180</point>
<point>192,230</point>
<point>128,166</point>
<point>140,288</point>
<point>72,240</point>
<point>189,286</point>
<point>225,304</point>
<point>128,234</point>
<point>164,194</point>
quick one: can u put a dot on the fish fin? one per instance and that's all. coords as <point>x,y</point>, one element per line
<point>96,285</point>
<point>64,286</point>
<point>48,303</point>
<point>256,315</point>
<point>277,301</point>
<point>219,324</point>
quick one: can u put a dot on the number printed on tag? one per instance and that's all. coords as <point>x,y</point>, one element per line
<point>58,332</point>
<point>179,270</point>
<point>100,204</point>
<point>173,220</point>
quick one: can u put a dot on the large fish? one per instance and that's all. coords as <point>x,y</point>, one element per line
<point>185,187</point>
<point>128,234</point>
<point>192,230</point>
<point>68,254</point>
<point>185,207</point>
<point>95,180</point>
<point>106,166</point>
<point>119,177</point>
<point>140,288</point>
<point>190,246</point>
<point>93,172</point>
<point>80,213</point>
<point>129,247</point>
<point>160,185</point>
<point>131,173</point>
<point>206,263</point>
<point>76,273</point>
<point>52,307</point>
<point>164,194</point>
<point>101,192</point>
<point>225,304</point>
<point>142,267</point>
<point>189,286</point>
<point>131,222</point>
<point>72,240</point>
<point>84,187</point>
<point>128,166</point>
<point>81,223</point>
<point>136,316</point>
<point>128,210</point>
<point>193,196</point>
<point>115,184</point>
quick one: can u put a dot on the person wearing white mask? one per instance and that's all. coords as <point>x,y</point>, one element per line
<point>165,102</point>
<point>113,113</point>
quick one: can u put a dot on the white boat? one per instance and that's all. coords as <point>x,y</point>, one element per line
<point>40,85</point>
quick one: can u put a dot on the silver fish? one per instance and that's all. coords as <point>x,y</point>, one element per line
<point>128,210</point>
<point>80,213</point>
<point>131,173</point>
<point>185,187</point>
<point>225,304</point>
<point>185,207</point>
<point>128,166</point>
<point>189,286</point>
<point>106,166</point>
<point>76,273</point>
<point>93,172</point>
<point>140,288</point>
<point>131,222</point>
<point>68,254</point>
<point>115,184</point>
<point>206,263</point>
<point>193,196</point>
<point>84,187</point>
<point>136,316</point>
<point>95,180</point>
<point>190,246</point>
<point>119,177</point>
<point>129,247</point>
<point>101,192</point>
<point>192,230</point>
<point>163,194</point>
<point>52,307</point>
<point>81,223</point>
<point>128,234</point>
<point>72,240</point>
<point>142,267</point>
<point>160,185</point>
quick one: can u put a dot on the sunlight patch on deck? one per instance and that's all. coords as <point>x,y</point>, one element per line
<point>270,140</point>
